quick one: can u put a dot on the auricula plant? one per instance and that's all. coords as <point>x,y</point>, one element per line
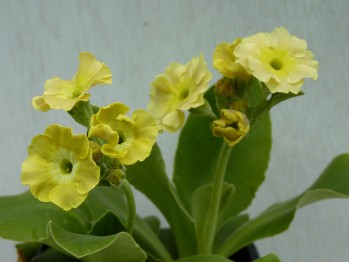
<point>80,205</point>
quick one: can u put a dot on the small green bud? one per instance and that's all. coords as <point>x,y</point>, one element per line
<point>115,177</point>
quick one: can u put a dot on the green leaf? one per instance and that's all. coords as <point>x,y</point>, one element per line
<point>94,248</point>
<point>150,178</point>
<point>167,237</point>
<point>280,97</point>
<point>197,155</point>
<point>102,199</point>
<point>268,258</point>
<point>333,183</point>
<point>153,222</point>
<point>200,204</point>
<point>228,228</point>
<point>107,224</point>
<point>204,258</point>
<point>24,218</point>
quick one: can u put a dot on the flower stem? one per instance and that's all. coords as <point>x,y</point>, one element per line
<point>207,236</point>
<point>129,195</point>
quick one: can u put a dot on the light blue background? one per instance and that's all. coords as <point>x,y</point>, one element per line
<point>137,39</point>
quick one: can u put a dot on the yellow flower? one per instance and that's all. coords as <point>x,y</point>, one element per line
<point>224,60</point>
<point>64,94</point>
<point>278,59</point>
<point>232,126</point>
<point>59,167</point>
<point>127,139</point>
<point>179,88</point>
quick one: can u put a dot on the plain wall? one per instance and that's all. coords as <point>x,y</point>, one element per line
<point>137,40</point>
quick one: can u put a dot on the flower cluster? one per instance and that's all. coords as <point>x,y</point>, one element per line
<point>278,59</point>
<point>62,168</point>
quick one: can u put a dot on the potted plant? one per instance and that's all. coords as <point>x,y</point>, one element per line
<point>81,207</point>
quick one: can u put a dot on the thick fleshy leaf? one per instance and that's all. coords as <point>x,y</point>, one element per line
<point>103,199</point>
<point>204,258</point>
<point>94,248</point>
<point>280,97</point>
<point>107,224</point>
<point>227,228</point>
<point>150,178</point>
<point>24,218</point>
<point>333,183</point>
<point>197,155</point>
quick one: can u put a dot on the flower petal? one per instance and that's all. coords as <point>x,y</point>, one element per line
<point>91,72</point>
<point>66,196</point>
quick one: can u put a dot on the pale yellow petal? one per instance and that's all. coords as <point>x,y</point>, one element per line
<point>66,196</point>
<point>138,151</point>
<point>43,146</point>
<point>108,114</point>
<point>39,103</point>
<point>172,121</point>
<point>91,72</point>
<point>105,132</point>
<point>65,104</point>
<point>87,175</point>
<point>61,88</point>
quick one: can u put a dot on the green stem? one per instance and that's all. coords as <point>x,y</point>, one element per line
<point>131,206</point>
<point>205,243</point>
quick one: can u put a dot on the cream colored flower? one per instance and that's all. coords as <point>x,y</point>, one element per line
<point>232,126</point>
<point>64,94</point>
<point>224,60</point>
<point>127,139</point>
<point>278,59</point>
<point>59,167</point>
<point>179,88</point>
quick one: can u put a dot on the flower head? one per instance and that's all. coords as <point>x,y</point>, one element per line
<point>59,167</point>
<point>179,88</point>
<point>232,126</point>
<point>64,94</point>
<point>278,59</point>
<point>224,60</point>
<point>127,139</point>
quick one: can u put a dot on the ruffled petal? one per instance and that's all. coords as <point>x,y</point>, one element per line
<point>91,72</point>
<point>66,196</point>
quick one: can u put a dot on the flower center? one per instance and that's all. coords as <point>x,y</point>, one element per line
<point>76,93</point>
<point>121,139</point>
<point>276,63</point>
<point>66,166</point>
<point>183,93</point>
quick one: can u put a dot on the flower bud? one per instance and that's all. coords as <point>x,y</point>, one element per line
<point>96,151</point>
<point>223,87</point>
<point>232,126</point>
<point>115,177</point>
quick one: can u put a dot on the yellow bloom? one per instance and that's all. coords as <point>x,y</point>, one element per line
<point>232,126</point>
<point>59,167</point>
<point>179,88</point>
<point>64,94</point>
<point>278,59</point>
<point>224,60</point>
<point>127,139</point>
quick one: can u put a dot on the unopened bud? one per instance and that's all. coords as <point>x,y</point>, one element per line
<point>115,177</point>
<point>232,126</point>
<point>224,87</point>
